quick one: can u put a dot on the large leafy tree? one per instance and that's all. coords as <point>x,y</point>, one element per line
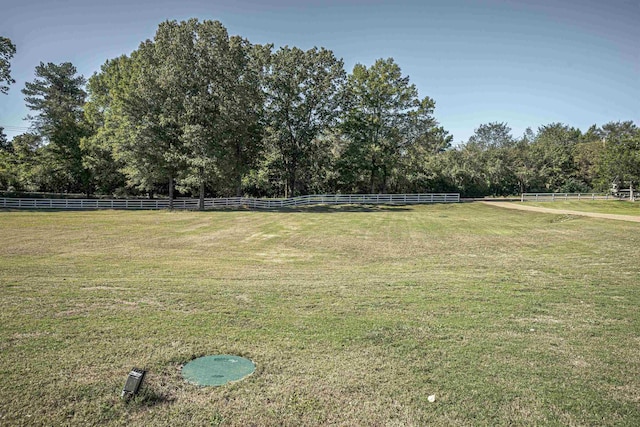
<point>492,135</point>
<point>383,119</point>
<point>492,146</point>
<point>152,152</point>
<point>192,108</point>
<point>7,50</point>
<point>33,168</point>
<point>620,163</point>
<point>57,97</point>
<point>524,165</point>
<point>553,150</point>
<point>303,99</point>
<point>244,117</point>
<point>222,129</point>
<point>4,143</point>
<point>423,161</point>
<point>109,129</point>
<point>6,162</point>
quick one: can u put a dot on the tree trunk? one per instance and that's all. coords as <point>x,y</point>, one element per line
<point>238,175</point>
<point>372,176</point>
<point>171,190</point>
<point>371,183</point>
<point>201,200</point>
<point>292,185</point>
<point>290,181</point>
<point>384,179</point>
<point>238,170</point>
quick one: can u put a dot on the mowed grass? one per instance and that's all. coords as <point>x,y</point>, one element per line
<point>618,207</point>
<point>353,316</point>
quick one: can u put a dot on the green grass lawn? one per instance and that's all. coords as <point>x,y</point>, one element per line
<point>619,207</point>
<point>353,316</point>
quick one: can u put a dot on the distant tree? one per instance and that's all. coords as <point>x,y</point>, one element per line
<point>242,109</point>
<point>6,162</point>
<point>109,130</point>
<point>302,104</point>
<point>223,128</point>
<point>621,158</point>
<point>153,152</point>
<point>4,143</point>
<point>587,156</point>
<point>57,96</point>
<point>553,151</point>
<point>7,50</point>
<point>490,161</point>
<point>524,165</point>
<point>422,164</point>
<point>192,109</point>
<point>383,118</point>
<point>492,135</point>
<point>33,168</point>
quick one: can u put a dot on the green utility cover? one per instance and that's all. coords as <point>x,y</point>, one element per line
<point>217,370</point>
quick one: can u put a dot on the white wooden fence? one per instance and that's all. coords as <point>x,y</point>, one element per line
<point>550,197</point>
<point>230,202</point>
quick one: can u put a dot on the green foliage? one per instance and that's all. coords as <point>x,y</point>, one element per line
<point>4,144</point>
<point>57,96</point>
<point>492,136</point>
<point>621,157</point>
<point>30,169</point>
<point>303,101</point>
<point>557,158</point>
<point>7,50</point>
<point>104,115</point>
<point>492,162</point>
<point>385,124</point>
<point>211,114</point>
<point>553,151</point>
<point>185,107</point>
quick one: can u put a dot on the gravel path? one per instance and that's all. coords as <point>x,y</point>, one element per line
<point>521,207</point>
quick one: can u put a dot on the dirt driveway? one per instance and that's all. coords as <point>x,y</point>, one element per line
<point>521,207</point>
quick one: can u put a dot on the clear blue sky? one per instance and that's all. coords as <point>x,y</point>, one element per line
<point>527,63</point>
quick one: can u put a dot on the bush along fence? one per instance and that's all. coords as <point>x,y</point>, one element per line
<point>552,197</point>
<point>231,202</point>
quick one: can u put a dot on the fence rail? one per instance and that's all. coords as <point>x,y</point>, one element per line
<point>550,197</point>
<point>230,202</point>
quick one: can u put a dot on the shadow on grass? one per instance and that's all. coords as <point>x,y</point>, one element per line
<point>300,209</point>
<point>148,397</point>
<point>338,209</point>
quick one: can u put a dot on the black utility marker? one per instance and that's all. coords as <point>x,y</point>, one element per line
<point>134,381</point>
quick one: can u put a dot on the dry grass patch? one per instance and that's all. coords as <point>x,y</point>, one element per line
<point>353,316</point>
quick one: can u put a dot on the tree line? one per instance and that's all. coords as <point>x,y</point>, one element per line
<point>198,112</point>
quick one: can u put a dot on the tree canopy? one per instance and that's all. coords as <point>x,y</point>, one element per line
<point>195,111</point>
<point>7,50</point>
